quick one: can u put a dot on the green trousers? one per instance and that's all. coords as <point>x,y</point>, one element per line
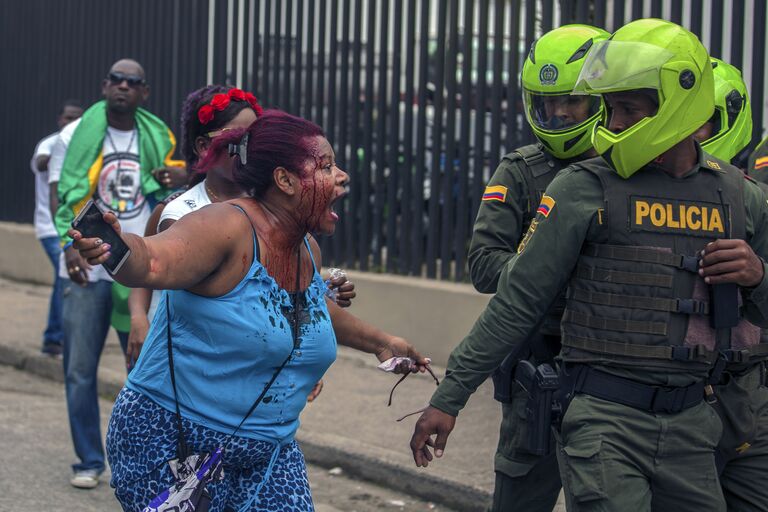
<point>524,482</point>
<point>743,404</point>
<point>616,458</point>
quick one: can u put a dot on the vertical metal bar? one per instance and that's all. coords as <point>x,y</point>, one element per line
<point>481,148</point>
<point>320,107</point>
<point>547,13</point>
<point>381,136</point>
<point>462,201</point>
<point>618,15</point>
<point>737,34</point>
<point>354,225</point>
<point>447,192</point>
<point>308,90</point>
<point>240,60</point>
<point>637,9</point>
<point>513,91</point>
<point>393,181</point>
<point>496,98</point>
<point>274,72</point>
<point>582,11</point>
<point>600,14</point>
<point>419,203</point>
<point>716,29</point>
<point>265,60</point>
<point>697,18</point>
<point>331,128</point>
<point>287,40</point>
<point>298,53</point>
<point>676,13</point>
<point>408,213</point>
<point>758,69</point>
<point>437,146</point>
<point>530,36</point>
<point>364,246</point>
<point>211,47</point>
<point>656,8</point>
<point>342,144</point>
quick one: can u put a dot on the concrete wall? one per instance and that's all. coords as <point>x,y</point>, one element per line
<point>433,315</point>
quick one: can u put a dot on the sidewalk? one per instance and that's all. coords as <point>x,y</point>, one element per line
<point>349,425</point>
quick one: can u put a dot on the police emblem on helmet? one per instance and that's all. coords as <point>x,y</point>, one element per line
<point>548,75</point>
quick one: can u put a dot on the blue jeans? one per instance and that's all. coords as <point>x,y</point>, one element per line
<point>87,312</point>
<point>54,333</point>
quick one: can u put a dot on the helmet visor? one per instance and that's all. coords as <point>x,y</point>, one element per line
<point>559,112</point>
<point>614,66</point>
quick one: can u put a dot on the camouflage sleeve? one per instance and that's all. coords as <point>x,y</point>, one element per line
<point>499,225</point>
<point>756,300</point>
<point>527,286</point>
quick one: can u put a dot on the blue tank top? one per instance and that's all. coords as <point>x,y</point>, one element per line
<point>226,349</point>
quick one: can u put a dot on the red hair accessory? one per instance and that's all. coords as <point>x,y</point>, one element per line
<point>205,114</point>
<point>222,100</point>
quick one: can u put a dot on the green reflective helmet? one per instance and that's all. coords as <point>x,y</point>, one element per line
<point>561,121</point>
<point>655,55</point>
<point>731,125</point>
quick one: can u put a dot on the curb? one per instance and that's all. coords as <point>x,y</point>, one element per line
<point>357,459</point>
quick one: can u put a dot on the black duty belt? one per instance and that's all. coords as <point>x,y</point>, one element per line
<point>628,392</point>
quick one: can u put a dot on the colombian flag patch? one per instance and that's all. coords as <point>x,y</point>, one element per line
<point>495,193</point>
<point>761,162</point>
<point>547,203</point>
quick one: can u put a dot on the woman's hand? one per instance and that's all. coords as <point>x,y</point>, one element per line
<point>345,290</point>
<point>94,250</point>
<point>315,391</point>
<point>139,330</point>
<point>399,347</point>
<point>171,177</point>
<point>77,268</point>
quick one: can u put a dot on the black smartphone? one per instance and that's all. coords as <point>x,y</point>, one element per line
<point>90,222</point>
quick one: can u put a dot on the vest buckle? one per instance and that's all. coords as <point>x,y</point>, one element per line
<point>689,263</point>
<point>680,353</point>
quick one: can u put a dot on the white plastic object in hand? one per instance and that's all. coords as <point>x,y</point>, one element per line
<point>393,362</point>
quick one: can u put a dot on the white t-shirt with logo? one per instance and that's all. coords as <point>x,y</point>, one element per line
<point>44,227</point>
<point>118,187</point>
<point>191,200</point>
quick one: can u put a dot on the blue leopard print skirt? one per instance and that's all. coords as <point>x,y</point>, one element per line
<point>142,437</point>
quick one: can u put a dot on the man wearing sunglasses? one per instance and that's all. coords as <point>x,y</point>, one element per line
<point>117,154</point>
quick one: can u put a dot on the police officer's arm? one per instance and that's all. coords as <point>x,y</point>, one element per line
<point>498,226</point>
<point>738,263</point>
<point>527,286</point>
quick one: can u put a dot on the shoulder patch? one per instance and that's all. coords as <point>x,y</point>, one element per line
<point>713,165</point>
<point>761,162</point>
<point>495,193</point>
<point>546,206</point>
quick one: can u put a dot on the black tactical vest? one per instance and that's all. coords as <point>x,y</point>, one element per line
<point>539,169</point>
<point>635,295</point>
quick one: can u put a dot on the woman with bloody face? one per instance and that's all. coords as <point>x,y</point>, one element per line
<point>238,275</point>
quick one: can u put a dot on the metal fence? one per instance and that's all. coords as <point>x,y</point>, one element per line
<point>420,98</point>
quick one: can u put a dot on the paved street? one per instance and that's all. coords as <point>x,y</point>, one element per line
<point>36,448</point>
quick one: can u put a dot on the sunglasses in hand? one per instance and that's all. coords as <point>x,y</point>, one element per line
<point>116,78</point>
<point>390,365</point>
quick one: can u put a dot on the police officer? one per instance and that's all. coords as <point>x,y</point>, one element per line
<point>741,396</point>
<point>563,124</point>
<point>640,236</point>
<point>728,132</point>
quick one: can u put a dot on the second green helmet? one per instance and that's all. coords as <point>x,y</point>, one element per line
<point>561,121</point>
<point>731,125</point>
